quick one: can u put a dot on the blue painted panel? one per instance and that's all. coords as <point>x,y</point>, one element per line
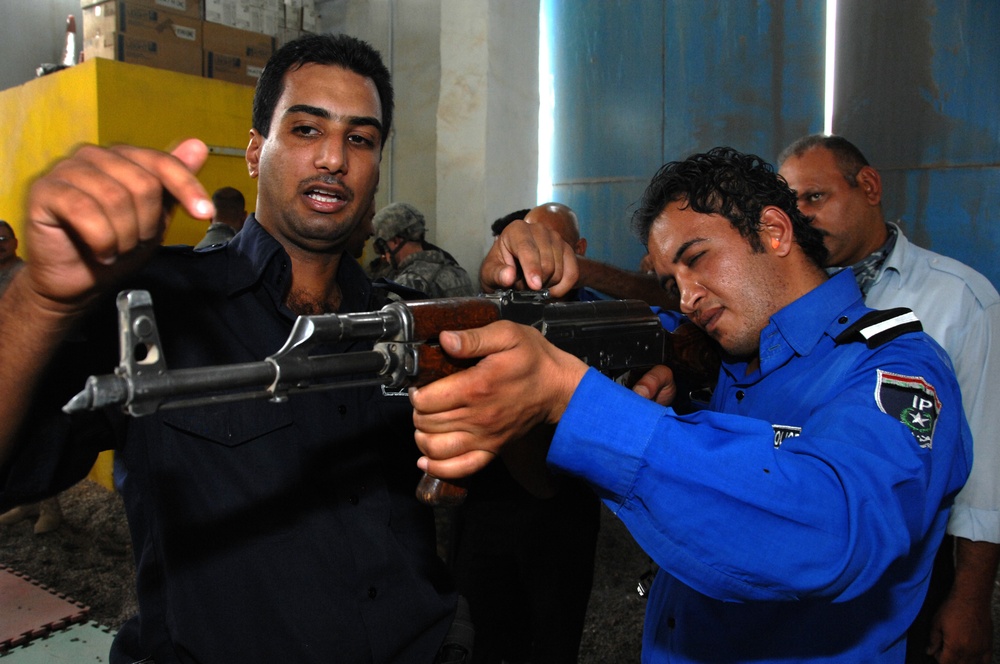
<point>918,84</point>
<point>918,87</point>
<point>638,83</point>
<point>950,212</point>
<point>966,58</point>
<point>607,68</point>
<point>605,215</point>
<point>744,74</point>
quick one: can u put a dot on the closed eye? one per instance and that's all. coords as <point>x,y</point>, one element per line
<point>691,260</point>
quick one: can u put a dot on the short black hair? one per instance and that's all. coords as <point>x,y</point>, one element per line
<point>731,184</point>
<point>341,50</point>
<point>505,221</point>
<point>230,204</point>
<point>229,197</point>
<point>849,158</point>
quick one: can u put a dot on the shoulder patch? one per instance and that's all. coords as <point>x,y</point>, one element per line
<point>911,400</point>
<point>878,327</point>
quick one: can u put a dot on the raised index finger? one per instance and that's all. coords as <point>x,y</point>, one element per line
<point>176,173</point>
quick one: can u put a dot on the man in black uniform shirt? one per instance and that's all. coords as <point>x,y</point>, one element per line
<point>262,532</point>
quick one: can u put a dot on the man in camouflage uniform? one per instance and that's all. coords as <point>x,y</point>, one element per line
<point>416,263</point>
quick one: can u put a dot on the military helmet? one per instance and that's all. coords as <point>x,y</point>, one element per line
<point>399,219</point>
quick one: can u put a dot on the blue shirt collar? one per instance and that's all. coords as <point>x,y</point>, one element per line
<point>798,328</point>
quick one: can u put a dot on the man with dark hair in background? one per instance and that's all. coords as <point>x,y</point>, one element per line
<point>524,553</point>
<point>230,214</point>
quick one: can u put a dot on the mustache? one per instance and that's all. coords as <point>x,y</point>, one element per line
<point>331,181</point>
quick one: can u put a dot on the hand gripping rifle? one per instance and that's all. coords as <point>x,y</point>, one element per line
<point>613,336</point>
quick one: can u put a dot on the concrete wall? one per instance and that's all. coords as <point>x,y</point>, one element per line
<point>464,149</point>
<point>487,129</point>
<point>33,32</point>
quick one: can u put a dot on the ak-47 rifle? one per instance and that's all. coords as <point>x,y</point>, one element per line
<point>613,336</point>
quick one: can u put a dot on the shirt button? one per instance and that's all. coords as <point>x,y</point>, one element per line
<point>842,320</point>
<point>740,394</point>
<point>372,592</point>
<point>342,409</point>
<point>671,623</point>
<point>353,499</point>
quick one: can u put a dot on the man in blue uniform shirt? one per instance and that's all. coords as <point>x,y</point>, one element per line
<point>262,532</point>
<point>797,518</point>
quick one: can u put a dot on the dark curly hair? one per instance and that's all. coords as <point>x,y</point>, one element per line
<point>340,50</point>
<point>734,185</point>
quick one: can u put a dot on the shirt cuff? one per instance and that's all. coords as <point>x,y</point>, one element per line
<point>974,524</point>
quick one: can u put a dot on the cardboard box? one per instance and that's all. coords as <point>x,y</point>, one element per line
<point>143,46</point>
<point>131,31</point>
<point>189,8</point>
<point>235,55</point>
<point>232,68</point>
<point>226,39</point>
<point>126,15</point>
<point>221,11</point>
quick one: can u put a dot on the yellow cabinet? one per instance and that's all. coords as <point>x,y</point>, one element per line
<point>107,102</point>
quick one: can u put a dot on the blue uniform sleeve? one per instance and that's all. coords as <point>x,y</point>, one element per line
<point>715,501</point>
<point>669,319</point>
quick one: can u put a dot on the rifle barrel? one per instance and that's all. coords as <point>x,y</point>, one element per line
<point>197,386</point>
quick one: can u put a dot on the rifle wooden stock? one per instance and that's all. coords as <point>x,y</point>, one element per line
<point>613,336</point>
